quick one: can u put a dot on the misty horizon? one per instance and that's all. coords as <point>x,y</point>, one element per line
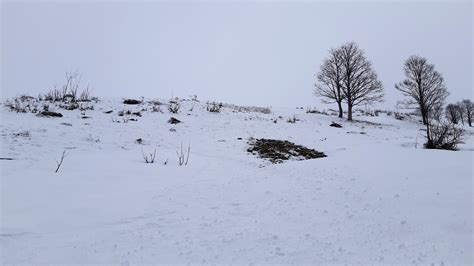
<point>260,53</point>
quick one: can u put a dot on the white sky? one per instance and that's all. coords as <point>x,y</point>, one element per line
<point>261,53</point>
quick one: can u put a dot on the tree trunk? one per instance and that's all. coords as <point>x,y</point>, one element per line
<point>340,109</point>
<point>429,143</point>
<point>349,112</point>
<point>424,117</point>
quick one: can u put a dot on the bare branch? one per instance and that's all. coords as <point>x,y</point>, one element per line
<point>60,162</point>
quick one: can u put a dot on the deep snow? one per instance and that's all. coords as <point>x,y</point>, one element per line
<point>375,199</point>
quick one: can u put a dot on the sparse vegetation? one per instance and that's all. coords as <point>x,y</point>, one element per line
<point>156,108</point>
<point>277,151</point>
<point>173,107</point>
<point>182,160</point>
<point>70,91</point>
<point>248,109</point>
<point>150,158</point>
<point>68,97</point>
<point>292,119</point>
<point>443,135</point>
<point>214,107</point>
<point>24,134</point>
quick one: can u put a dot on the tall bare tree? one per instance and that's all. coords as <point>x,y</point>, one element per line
<point>468,109</point>
<point>453,113</point>
<point>423,86</point>
<point>360,83</point>
<point>330,77</point>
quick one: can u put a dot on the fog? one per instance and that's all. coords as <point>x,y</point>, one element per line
<point>258,53</point>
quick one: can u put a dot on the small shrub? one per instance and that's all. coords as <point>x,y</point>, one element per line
<point>156,109</point>
<point>85,96</point>
<point>181,158</point>
<point>445,136</point>
<point>399,116</point>
<point>174,107</point>
<point>214,107</point>
<point>149,158</point>
<point>124,112</point>
<point>292,119</point>
<point>24,134</point>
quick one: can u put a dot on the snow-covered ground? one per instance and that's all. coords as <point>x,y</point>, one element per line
<point>377,198</point>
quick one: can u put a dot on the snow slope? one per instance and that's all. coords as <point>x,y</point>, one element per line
<point>376,198</point>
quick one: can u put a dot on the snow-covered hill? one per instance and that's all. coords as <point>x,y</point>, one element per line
<point>377,197</point>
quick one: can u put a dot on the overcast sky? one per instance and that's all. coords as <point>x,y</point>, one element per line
<point>260,53</point>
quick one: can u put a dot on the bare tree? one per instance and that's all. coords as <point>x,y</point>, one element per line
<point>423,85</point>
<point>330,77</point>
<point>468,109</point>
<point>360,83</point>
<point>460,111</point>
<point>452,113</point>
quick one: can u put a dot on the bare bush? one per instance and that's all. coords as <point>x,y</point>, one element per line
<point>399,116</point>
<point>174,107</point>
<point>445,136</point>
<point>70,91</point>
<point>85,95</point>
<point>214,107</point>
<point>181,156</point>
<point>156,108</point>
<point>292,119</point>
<point>25,134</point>
<point>149,158</point>
<point>16,106</point>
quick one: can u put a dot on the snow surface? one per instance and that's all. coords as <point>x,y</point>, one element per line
<point>378,198</point>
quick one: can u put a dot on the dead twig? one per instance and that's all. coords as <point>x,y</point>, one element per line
<point>60,162</point>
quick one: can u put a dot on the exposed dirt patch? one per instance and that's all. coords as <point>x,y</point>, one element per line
<point>277,151</point>
<point>50,114</point>
<point>333,124</point>
<point>132,101</point>
<point>173,120</point>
